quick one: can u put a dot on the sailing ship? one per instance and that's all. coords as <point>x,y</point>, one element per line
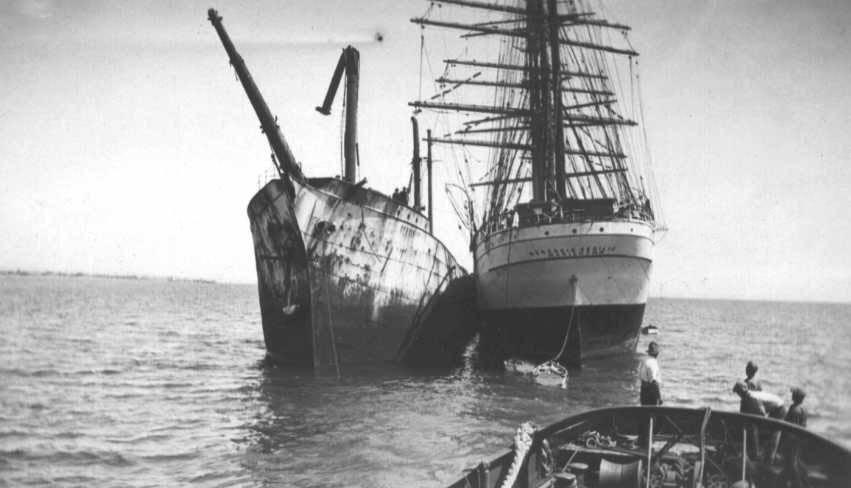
<point>346,274</point>
<point>564,216</point>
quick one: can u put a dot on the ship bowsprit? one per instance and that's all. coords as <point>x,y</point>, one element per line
<point>346,275</point>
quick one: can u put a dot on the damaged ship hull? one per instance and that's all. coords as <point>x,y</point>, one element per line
<point>347,275</point>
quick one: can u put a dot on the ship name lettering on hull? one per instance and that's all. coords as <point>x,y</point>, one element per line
<point>554,252</point>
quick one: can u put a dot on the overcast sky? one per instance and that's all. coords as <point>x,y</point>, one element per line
<point>127,145</point>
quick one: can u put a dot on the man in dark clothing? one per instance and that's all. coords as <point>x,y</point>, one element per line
<point>760,403</point>
<point>797,415</point>
<point>791,446</point>
<point>748,406</point>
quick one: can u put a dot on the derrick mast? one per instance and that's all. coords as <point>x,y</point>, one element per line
<point>285,161</point>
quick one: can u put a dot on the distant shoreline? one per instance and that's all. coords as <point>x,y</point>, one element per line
<point>80,274</point>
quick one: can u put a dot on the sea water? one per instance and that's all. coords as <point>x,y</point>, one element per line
<point>119,382</point>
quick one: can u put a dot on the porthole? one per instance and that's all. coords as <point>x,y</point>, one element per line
<point>546,232</point>
<point>601,229</point>
<point>574,231</point>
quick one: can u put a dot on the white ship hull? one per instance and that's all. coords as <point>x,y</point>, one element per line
<point>587,281</point>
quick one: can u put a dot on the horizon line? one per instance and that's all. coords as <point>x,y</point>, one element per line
<point>152,277</point>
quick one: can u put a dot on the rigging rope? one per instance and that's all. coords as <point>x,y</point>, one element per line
<point>574,285</point>
<point>597,96</point>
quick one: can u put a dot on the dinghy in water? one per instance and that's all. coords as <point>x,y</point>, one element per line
<point>609,448</point>
<point>650,329</point>
<point>550,373</point>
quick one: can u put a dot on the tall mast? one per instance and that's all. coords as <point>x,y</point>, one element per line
<point>430,194</point>
<point>538,72</point>
<point>555,84</point>
<point>286,163</point>
<point>416,162</point>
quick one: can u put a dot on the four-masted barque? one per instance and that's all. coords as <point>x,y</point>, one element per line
<point>562,208</point>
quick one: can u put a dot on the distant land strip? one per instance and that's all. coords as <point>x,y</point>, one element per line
<point>79,274</point>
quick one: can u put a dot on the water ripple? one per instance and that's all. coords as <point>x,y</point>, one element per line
<point>147,383</point>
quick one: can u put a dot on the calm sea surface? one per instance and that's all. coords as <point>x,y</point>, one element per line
<point>108,382</point>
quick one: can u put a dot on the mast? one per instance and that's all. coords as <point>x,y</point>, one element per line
<point>538,72</point>
<point>415,165</point>
<point>349,64</point>
<point>428,170</point>
<point>555,84</point>
<point>545,115</point>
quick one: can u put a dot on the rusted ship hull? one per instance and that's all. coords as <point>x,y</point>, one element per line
<point>346,275</point>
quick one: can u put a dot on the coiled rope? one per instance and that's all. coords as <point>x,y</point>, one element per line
<point>522,444</point>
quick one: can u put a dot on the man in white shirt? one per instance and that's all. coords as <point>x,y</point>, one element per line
<point>650,377</point>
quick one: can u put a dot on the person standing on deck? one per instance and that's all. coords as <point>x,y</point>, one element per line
<point>791,446</point>
<point>750,371</point>
<point>746,406</point>
<point>796,414</point>
<point>650,377</point>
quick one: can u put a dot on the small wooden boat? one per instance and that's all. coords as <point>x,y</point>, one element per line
<point>550,373</point>
<point>650,329</point>
<point>613,447</point>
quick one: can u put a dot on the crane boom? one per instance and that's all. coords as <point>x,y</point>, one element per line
<point>349,64</point>
<point>286,163</point>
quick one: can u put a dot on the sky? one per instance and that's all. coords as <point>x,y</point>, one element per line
<point>127,146</point>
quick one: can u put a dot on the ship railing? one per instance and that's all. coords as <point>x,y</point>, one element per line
<point>510,220</point>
